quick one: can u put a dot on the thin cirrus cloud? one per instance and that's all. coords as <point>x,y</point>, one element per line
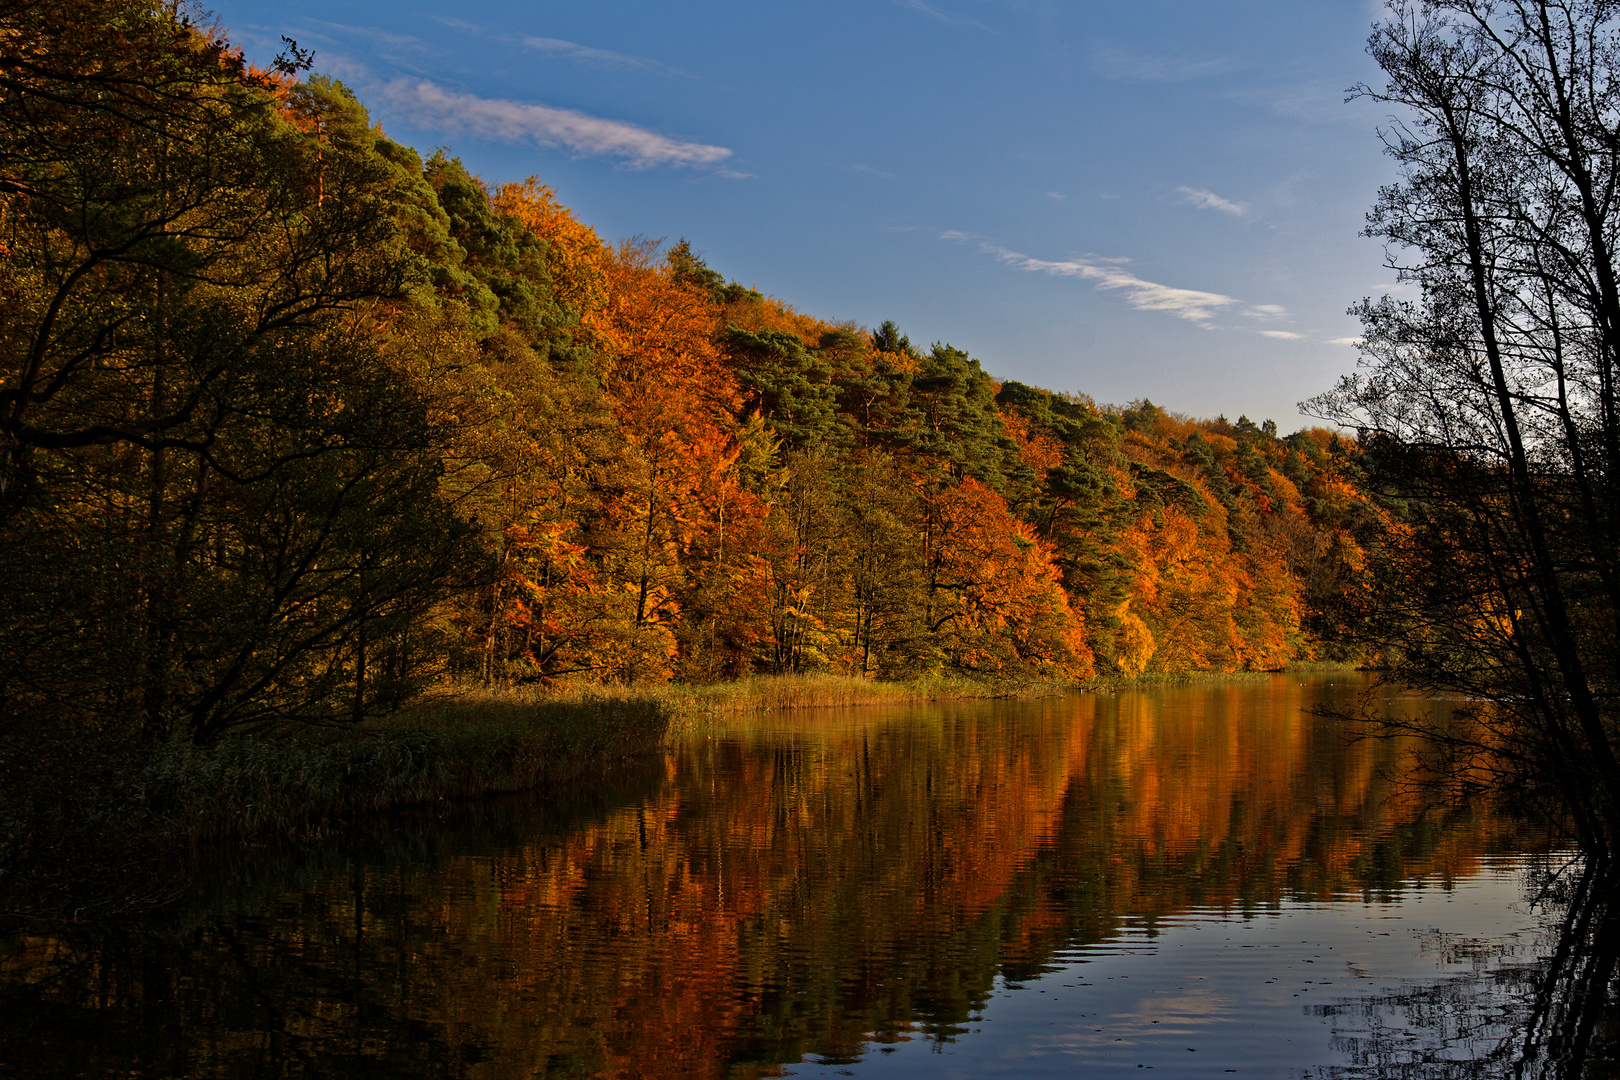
<point>1317,102</point>
<point>1282,335</point>
<point>1208,200</point>
<point>1113,63</point>
<point>372,34</point>
<point>598,57</point>
<point>1110,275</point>
<point>570,50</point>
<point>946,17</point>
<point>431,105</point>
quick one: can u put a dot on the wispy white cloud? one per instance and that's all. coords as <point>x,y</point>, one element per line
<point>869,171</point>
<point>1208,200</point>
<point>1056,196</point>
<point>431,105</point>
<point>1319,102</point>
<point>571,50</point>
<point>1282,335</point>
<point>599,57</point>
<point>1351,341</point>
<point>946,17</point>
<point>377,37</point>
<point>1111,62</point>
<point>1109,275</point>
<point>1266,312</point>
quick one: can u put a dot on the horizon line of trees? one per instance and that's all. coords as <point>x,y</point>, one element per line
<point>294,423</point>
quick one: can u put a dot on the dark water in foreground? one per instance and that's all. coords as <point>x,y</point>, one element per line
<point>1204,882</point>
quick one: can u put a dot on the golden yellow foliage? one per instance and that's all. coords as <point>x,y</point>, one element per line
<point>575,255</point>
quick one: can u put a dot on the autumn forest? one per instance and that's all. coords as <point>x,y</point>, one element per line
<point>414,605</point>
<point>305,423</point>
<point>349,497</point>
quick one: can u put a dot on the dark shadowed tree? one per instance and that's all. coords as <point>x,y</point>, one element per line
<point>219,497</point>
<point>1488,405</point>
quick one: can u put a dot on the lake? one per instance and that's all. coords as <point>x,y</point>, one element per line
<point>1204,881</point>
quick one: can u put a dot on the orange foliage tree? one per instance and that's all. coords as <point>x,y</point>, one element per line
<point>995,598</point>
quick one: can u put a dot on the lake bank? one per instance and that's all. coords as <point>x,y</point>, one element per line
<point>768,693</point>
<point>957,884</point>
<point>100,829</point>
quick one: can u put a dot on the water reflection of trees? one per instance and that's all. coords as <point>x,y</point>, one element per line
<point>1533,1015</point>
<point>808,893</point>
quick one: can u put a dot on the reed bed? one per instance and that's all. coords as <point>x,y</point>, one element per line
<point>98,826</point>
<point>1148,680</point>
<point>443,751</point>
<point>687,705</point>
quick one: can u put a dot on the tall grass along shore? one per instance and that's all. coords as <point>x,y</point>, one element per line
<point>99,826</point>
<point>82,820</point>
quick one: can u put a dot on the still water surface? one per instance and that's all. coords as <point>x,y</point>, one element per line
<point>1202,882</point>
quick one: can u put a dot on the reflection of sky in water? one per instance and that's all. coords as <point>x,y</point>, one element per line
<point>1216,993</point>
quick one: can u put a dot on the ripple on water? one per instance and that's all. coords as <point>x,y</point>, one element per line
<point>1190,880</point>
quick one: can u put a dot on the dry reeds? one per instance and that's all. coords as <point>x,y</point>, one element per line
<point>95,825</point>
<point>686,704</point>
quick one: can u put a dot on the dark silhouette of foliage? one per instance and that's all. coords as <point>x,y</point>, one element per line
<point>1488,405</point>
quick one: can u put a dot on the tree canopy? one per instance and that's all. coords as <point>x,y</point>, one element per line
<point>294,423</point>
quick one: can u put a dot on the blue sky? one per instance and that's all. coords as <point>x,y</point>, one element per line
<point>1156,199</point>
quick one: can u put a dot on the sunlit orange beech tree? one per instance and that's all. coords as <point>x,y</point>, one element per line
<point>995,599</point>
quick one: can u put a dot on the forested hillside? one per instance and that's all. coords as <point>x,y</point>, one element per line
<point>294,423</point>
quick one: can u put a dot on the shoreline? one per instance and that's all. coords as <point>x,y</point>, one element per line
<point>765,693</point>
<point>119,846</point>
<point>477,742</point>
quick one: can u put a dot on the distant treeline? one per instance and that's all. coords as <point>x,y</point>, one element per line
<point>294,423</point>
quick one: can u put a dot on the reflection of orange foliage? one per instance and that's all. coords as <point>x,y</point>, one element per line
<point>794,886</point>
<point>803,839</point>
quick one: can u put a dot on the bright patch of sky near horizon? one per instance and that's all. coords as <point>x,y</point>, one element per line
<point>1159,199</point>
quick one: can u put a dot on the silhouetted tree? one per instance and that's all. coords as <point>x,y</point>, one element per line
<point>219,498</point>
<point>1488,406</point>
